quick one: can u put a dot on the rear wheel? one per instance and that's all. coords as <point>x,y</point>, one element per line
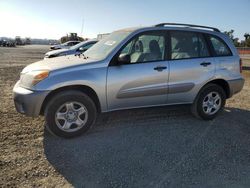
<point>70,113</point>
<point>209,102</point>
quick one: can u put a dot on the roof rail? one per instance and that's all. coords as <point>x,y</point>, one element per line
<point>188,25</point>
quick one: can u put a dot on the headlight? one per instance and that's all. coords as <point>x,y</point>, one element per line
<point>39,76</point>
<point>31,78</point>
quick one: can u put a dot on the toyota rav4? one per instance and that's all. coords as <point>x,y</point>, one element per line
<point>164,64</point>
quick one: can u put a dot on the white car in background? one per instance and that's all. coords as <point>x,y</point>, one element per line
<point>65,45</point>
<point>74,50</point>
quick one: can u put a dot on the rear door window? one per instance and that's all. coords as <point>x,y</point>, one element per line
<point>185,45</point>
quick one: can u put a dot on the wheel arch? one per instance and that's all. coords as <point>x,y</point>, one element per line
<point>222,83</point>
<point>83,88</point>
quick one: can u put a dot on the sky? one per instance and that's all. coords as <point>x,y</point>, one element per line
<point>53,19</point>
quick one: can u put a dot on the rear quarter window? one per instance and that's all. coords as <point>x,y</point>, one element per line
<point>220,48</point>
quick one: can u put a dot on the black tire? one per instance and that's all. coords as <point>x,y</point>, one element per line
<point>68,96</point>
<point>197,108</point>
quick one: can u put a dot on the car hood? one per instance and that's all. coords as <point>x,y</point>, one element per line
<point>58,63</point>
<point>56,51</point>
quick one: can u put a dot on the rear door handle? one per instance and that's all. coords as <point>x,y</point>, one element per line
<point>204,64</point>
<point>160,68</point>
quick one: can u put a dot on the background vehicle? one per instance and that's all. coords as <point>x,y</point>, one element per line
<point>77,49</point>
<point>65,45</point>
<point>19,41</point>
<point>7,43</point>
<point>133,68</point>
<point>102,36</point>
<point>71,37</point>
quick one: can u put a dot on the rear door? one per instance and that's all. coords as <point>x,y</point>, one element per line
<point>191,65</point>
<point>143,80</point>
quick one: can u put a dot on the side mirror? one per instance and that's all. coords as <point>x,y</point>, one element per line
<point>124,59</point>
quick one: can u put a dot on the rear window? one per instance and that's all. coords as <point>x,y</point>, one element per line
<point>219,46</point>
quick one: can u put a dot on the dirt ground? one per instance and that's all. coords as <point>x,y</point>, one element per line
<point>154,147</point>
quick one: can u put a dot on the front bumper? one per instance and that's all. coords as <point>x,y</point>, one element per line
<point>235,85</point>
<point>28,102</point>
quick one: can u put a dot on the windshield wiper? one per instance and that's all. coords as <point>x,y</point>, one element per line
<point>82,54</point>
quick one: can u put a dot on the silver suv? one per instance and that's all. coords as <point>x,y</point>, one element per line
<point>164,64</point>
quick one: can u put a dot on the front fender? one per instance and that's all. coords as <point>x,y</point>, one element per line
<point>94,78</point>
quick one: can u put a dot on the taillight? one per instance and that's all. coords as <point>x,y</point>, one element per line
<point>240,65</point>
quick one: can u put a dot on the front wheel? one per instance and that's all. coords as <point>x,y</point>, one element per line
<point>209,102</point>
<point>70,113</point>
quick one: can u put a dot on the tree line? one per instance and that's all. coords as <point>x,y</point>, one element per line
<point>236,41</point>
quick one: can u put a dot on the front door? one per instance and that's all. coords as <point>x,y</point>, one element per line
<point>143,80</point>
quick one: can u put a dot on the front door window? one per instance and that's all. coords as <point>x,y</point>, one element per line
<point>145,48</point>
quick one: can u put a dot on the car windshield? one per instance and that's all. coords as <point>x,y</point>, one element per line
<point>81,44</point>
<point>65,44</point>
<point>102,48</point>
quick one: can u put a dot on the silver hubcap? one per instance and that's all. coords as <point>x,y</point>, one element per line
<point>211,103</point>
<point>71,116</point>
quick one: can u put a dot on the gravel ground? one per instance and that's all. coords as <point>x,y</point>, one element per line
<point>153,147</point>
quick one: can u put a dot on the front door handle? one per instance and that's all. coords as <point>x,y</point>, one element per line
<point>160,68</point>
<point>204,64</point>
